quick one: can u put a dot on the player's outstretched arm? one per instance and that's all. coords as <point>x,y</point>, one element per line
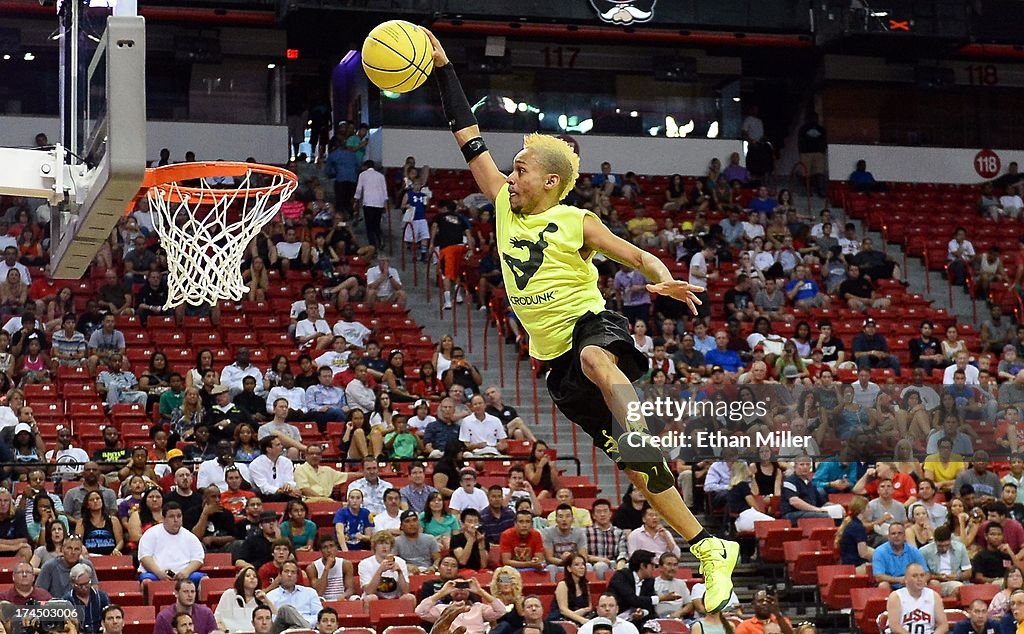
<point>597,237</point>
<point>464,125</point>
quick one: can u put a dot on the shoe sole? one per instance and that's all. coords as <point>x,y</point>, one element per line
<point>646,460</point>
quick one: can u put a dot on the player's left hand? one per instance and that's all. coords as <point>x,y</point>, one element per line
<point>678,289</point>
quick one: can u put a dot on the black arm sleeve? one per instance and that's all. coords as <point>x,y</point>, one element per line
<point>453,98</point>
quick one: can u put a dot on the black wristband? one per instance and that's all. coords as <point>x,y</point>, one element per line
<point>453,98</point>
<point>473,148</point>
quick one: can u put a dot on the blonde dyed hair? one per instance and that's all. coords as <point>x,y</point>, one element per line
<point>517,581</point>
<point>555,157</point>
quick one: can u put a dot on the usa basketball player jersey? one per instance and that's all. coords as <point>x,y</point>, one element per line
<point>918,615</point>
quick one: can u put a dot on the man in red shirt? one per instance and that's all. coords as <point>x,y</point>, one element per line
<point>903,486</point>
<point>521,546</point>
<point>24,589</point>
<point>270,572</point>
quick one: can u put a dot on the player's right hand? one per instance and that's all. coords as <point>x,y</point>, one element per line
<point>440,57</point>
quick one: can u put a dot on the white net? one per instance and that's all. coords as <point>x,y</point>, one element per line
<point>206,229</point>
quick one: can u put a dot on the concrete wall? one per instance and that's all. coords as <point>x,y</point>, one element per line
<point>914,164</point>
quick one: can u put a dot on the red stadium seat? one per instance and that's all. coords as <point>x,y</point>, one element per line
<point>116,568</point>
<point>393,611</point>
<point>123,593</point>
<point>139,619</point>
<point>351,613</point>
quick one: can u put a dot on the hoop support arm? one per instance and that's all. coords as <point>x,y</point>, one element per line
<point>36,174</point>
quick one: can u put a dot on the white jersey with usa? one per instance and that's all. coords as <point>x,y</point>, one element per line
<point>917,616</point>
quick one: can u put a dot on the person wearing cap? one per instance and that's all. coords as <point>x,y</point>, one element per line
<point>608,619</point>
<point>65,460</point>
<point>871,350</point>
<point>419,550</point>
<point>980,477</point>
<point>468,495</point>
<point>1010,364</point>
<point>257,549</point>
<point>175,460</point>
<point>224,416</point>
<point>119,386</point>
<point>421,417</point>
<point>316,481</point>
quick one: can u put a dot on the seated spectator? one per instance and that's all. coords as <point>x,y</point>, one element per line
<point>522,547</point>
<point>272,472</point>
<point>861,179</point>
<point>472,617</point>
<point>24,589</point>
<point>608,619</point>
<point>332,577</point>
<point>468,495</point>
<point>279,428</point>
<point>992,561</point>
<point>117,385</point>
<point>353,331</point>
<point>69,349</point>
<point>152,297</point>
<point>562,540</point>
<point>352,522</point>
<point>185,604</point>
<point>580,516</point>
<point>852,537</point>
<point>767,614</point>
<point>890,560</point>
<point>383,283</point>
<point>959,256</point>
<point>800,498</point>
<point>482,433</point>
<point>572,594</point>
<point>871,350</point>
<point>372,486</point>
<point>114,297</point>
<point>982,480</point>
<point>383,575</point>
<point>166,551</point>
<point>297,605</point>
<point>652,537</point>
<point>978,621</point>
<point>804,292</point>
<point>948,563</point>
<point>317,482</point>
<point>633,587</point>
<point>916,605</point>
<point>721,356</point>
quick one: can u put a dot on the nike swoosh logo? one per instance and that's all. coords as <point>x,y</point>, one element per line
<point>654,470</point>
<point>725,554</point>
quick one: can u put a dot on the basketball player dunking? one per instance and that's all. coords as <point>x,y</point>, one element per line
<point>546,250</point>
<point>916,608</point>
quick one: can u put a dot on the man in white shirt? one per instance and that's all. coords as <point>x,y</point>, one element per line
<point>383,283</point>
<point>308,300</point>
<point>384,576</point>
<point>607,619</point>
<point>272,473</point>
<point>233,374</point>
<point>962,363</point>
<point>10,261</point>
<point>295,396</point>
<point>390,519</point>
<point>353,331</point>
<point>291,251</point>
<point>1011,202</point>
<point>668,582</point>
<point>468,495</point>
<point>700,276</point>
<point>297,606</point>
<point>211,472</point>
<point>313,331</point>
<point>372,198</point>
<point>337,357</point>
<point>68,458</point>
<point>371,486</point>
<point>168,553</point>
<point>358,394</point>
<point>483,434</point>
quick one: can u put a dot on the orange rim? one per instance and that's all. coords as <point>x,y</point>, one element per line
<point>164,177</point>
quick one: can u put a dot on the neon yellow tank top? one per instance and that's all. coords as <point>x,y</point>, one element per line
<point>549,285</point>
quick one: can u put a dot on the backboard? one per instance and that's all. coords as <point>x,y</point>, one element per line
<point>95,171</point>
<point>103,112</point>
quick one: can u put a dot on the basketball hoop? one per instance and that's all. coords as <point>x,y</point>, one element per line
<point>206,214</point>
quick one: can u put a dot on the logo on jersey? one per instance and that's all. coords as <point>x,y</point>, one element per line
<point>624,12</point>
<point>524,270</point>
